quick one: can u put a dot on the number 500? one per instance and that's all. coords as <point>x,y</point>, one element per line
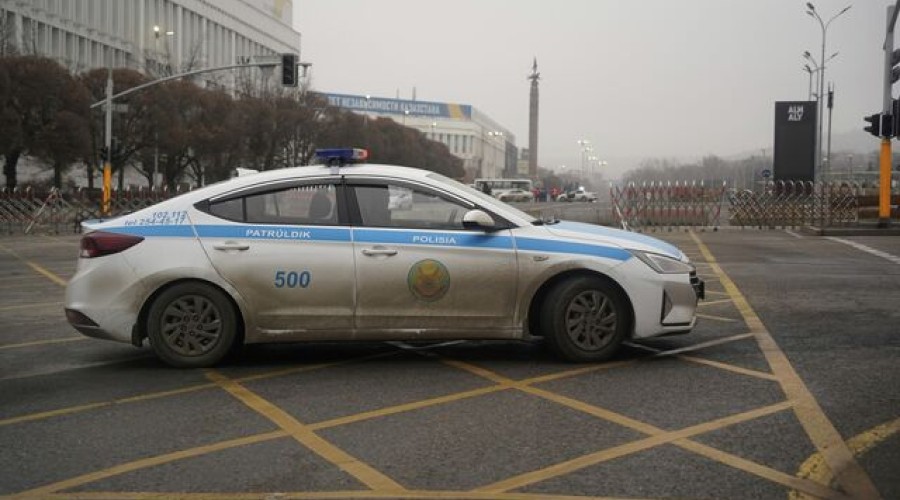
<point>292,279</point>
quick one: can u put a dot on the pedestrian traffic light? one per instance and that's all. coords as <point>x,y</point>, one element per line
<point>289,70</point>
<point>874,127</point>
<point>104,153</point>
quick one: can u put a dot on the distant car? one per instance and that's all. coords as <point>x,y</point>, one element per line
<point>577,195</point>
<point>318,253</point>
<point>515,195</point>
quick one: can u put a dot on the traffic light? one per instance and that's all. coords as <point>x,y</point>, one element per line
<point>104,153</point>
<point>874,127</point>
<point>289,70</point>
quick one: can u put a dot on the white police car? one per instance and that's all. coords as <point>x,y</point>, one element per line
<point>320,253</point>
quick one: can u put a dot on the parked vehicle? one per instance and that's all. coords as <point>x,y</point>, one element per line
<point>321,254</point>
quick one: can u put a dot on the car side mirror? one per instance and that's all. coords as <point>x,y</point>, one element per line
<point>478,219</point>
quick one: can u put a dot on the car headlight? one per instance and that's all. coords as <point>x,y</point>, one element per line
<point>663,264</point>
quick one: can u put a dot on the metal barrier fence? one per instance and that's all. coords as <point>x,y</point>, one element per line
<point>794,204</point>
<point>26,211</point>
<point>648,206</point>
<point>657,205</point>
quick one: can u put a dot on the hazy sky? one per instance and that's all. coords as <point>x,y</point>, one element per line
<point>638,78</point>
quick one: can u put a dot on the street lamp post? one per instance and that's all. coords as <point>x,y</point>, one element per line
<point>156,31</point>
<point>810,71</point>
<point>824,25</point>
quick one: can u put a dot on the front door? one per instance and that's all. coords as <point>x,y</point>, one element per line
<point>420,273</point>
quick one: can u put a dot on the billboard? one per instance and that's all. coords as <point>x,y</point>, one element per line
<point>795,141</point>
<point>400,106</point>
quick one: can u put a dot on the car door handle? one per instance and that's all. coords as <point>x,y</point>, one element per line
<point>231,245</point>
<point>379,251</point>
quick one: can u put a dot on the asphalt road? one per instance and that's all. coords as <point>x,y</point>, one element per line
<point>789,385</point>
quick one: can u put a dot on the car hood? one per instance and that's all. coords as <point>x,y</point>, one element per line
<point>618,237</point>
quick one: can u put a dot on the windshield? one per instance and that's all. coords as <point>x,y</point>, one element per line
<point>485,198</point>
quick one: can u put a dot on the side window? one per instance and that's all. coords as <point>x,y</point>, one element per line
<point>230,209</point>
<point>301,205</point>
<point>403,207</point>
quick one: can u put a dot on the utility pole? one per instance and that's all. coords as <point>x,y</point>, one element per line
<point>830,107</point>
<point>107,166</point>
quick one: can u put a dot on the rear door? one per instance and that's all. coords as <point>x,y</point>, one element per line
<point>286,251</point>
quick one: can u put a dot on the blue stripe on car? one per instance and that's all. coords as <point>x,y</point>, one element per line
<point>458,239</point>
<point>387,236</point>
<point>265,232</point>
<point>580,227</point>
<point>539,245</point>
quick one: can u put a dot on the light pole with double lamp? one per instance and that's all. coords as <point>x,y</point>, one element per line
<point>811,11</point>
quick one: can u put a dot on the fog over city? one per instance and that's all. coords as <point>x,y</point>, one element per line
<point>651,79</point>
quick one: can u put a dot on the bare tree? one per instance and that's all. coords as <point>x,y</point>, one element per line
<point>33,92</point>
<point>7,38</point>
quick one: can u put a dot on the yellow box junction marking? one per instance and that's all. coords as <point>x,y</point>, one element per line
<point>363,472</point>
<point>656,437</point>
<point>821,431</point>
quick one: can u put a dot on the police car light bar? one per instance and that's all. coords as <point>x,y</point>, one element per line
<point>342,155</point>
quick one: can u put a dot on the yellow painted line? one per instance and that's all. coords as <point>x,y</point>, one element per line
<point>730,367</point>
<point>393,410</point>
<point>716,318</point>
<point>41,342</point>
<point>776,476</point>
<point>818,427</point>
<point>324,495</point>
<point>815,468</point>
<point>30,306</point>
<point>36,267</point>
<point>147,462</point>
<point>49,275</point>
<point>714,364</point>
<point>102,404</point>
<point>703,345</point>
<point>713,302</point>
<point>305,436</point>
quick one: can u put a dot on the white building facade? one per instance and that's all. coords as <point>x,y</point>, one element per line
<point>151,36</point>
<point>486,148</point>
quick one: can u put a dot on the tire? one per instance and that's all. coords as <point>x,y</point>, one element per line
<point>192,325</point>
<point>584,319</point>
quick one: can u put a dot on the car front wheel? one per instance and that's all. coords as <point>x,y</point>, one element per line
<point>585,319</point>
<point>192,325</point>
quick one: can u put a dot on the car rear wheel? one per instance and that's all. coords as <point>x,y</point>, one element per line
<point>192,325</point>
<point>584,319</point>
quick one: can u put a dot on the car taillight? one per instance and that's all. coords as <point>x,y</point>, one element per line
<point>99,243</point>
